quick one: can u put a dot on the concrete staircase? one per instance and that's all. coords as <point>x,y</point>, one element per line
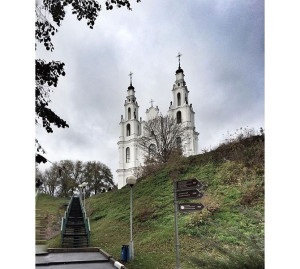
<point>75,231</point>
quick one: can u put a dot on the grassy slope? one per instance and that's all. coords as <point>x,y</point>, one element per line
<point>52,209</point>
<point>227,233</point>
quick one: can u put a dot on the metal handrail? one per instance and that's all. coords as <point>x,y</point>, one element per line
<point>64,219</point>
<point>86,220</point>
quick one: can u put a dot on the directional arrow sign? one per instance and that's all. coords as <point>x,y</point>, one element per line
<point>187,184</point>
<point>187,207</point>
<point>189,194</point>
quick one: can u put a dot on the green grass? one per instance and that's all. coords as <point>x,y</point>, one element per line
<point>50,204</point>
<point>227,233</point>
<point>52,209</point>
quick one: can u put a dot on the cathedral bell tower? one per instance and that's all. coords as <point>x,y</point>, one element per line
<point>131,155</point>
<point>130,127</point>
<point>183,112</point>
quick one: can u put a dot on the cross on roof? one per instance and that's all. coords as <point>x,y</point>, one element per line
<point>179,55</point>
<point>151,102</point>
<point>130,75</point>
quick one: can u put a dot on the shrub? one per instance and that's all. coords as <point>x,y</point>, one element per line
<point>231,172</point>
<point>233,258</point>
<point>199,218</point>
<point>252,192</point>
<point>149,169</point>
<point>145,214</point>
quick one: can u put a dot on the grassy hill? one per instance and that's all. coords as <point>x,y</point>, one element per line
<point>227,233</point>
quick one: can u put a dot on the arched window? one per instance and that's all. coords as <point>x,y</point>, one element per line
<point>152,150</point>
<point>129,113</point>
<point>128,129</point>
<point>178,117</point>
<point>178,142</point>
<point>127,155</point>
<point>178,99</point>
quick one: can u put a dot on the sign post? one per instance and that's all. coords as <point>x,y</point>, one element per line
<point>176,228</point>
<point>185,189</point>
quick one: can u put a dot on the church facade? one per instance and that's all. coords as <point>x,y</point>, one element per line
<point>131,156</point>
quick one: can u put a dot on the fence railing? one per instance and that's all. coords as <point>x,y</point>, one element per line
<point>86,221</point>
<point>64,219</point>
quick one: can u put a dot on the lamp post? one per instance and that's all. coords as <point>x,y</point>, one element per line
<point>131,180</point>
<point>83,186</point>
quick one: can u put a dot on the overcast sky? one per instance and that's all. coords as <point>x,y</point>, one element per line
<point>222,46</point>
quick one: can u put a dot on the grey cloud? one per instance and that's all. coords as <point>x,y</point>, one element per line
<point>222,43</point>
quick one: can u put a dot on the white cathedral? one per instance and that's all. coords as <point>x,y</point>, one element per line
<point>131,155</point>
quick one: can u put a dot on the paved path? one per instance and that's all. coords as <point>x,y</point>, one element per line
<point>88,258</point>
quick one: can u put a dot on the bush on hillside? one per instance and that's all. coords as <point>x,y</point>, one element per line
<point>225,258</point>
<point>252,192</point>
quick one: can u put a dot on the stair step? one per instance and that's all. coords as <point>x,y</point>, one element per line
<point>75,234</point>
<point>74,230</point>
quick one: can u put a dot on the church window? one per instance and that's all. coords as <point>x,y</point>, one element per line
<point>178,117</point>
<point>127,155</point>
<point>178,142</point>
<point>128,129</point>
<point>152,150</point>
<point>129,113</point>
<point>179,99</point>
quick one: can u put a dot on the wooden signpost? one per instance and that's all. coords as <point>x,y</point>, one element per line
<point>187,184</point>
<point>185,189</point>
<point>189,194</point>
<point>189,207</point>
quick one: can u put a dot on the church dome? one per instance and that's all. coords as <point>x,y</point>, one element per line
<point>179,70</point>
<point>130,87</point>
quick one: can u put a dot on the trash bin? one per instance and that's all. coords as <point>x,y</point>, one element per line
<point>125,253</point>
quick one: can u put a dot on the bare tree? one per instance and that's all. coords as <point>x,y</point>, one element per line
<point>63,177</point>
<point>51,180</point>
<point>163,138</point>
<point>67,181</point>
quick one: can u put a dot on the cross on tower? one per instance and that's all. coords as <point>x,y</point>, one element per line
<point>130,75</point>
<point>151,102</point>
<point>179,55</point>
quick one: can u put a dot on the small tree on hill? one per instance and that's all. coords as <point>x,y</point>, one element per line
<point>163,138</point>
